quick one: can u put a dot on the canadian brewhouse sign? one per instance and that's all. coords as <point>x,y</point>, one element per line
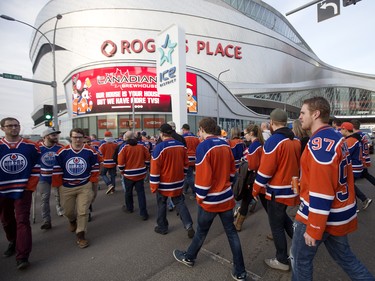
<point>117,89</point>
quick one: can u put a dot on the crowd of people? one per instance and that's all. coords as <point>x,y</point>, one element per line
<point>311,164</point>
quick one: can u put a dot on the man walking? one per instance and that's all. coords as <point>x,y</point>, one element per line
<point>48,148</point>
<point>279,163</point>
<point>192,143</point>
<point>215,171</point>
<point>76,175</point>
<point>107,149</point>
<point>133,160</point>
<point>169,163</point>
<point>327,213</point>
<point>19,175</point>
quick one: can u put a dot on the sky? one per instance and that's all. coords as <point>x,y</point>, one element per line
<point>345,41</point>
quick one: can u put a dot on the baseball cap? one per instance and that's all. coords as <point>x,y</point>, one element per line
<point>186,127</point>
<point>107,134</point>
<point>279,115</point>
<point>166,129</point>
<point>49,131</point>
<point>347,125</point>
<point>172,124</point>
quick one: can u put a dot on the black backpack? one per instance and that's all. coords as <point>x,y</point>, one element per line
<point>245,179</point>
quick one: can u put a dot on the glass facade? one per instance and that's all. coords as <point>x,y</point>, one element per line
<point>344,101</point>
<point>270,18</point>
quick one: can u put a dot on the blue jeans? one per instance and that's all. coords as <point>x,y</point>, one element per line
<point>112,174</point>
<point>337,246</point>
<point>189,182</point>
<point>205,220</point>
<point>140,189</point>
<point>280,223</point>
<point>179,202</point>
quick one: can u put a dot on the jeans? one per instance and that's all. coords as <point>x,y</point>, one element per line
<point>368,176</point>
<point>140,189</point>
<point>112,174</point>
<point>338,247</point>
<point>205,220</point>
<point>179,202</point>
<point>15,217</point>
<point>190,179</point>
<point>45,194</point>
<point>280,223</point>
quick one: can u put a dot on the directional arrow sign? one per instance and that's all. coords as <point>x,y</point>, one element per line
<point>328,9</point>
<point>12,76</point>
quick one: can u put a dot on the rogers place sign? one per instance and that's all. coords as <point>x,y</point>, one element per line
<point>136,46</point>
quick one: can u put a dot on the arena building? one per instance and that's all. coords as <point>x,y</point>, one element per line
<point>243,58</point>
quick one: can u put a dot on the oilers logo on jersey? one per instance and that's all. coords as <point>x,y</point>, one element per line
<point>13,163</point>
<point>76,166</point>
<point>48,159</point>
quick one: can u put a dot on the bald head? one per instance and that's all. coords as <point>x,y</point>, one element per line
<point>129,135</point>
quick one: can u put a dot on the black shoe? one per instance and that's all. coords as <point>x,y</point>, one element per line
<point>181,257</point>
<point>191,232</point>
<point>10,251</point>
<point>22,264</point>
<point>145,218</point>
<point>242,276</point>
<point>46,225</point>
<point>159,230</point>
<point>126,210</point>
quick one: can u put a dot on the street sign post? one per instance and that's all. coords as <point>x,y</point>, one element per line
<point>328,9</point>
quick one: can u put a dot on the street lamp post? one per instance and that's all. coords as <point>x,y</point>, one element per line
<point>217,93</point>
<point>52,46</point>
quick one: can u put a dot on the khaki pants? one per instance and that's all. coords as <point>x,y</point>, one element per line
<point>76,202</point>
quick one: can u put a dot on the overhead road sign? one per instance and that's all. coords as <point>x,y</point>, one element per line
<point>12,76</point>
<point>328,9</point>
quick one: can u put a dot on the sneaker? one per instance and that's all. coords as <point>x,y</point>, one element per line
<point>159,230</point>
<point>181,257</point>
<point>72,226</point>
<point>46,225</point>
<point>275,264</point>
<point>270,236</point>
<point>110,189</point>
<point>22,264</point>
<point>59,211</point>
<point>191,232</point>
<point>366,203</point>
<point>10,251</point>
<point>242,276</point>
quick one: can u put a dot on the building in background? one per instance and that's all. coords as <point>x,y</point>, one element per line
<point>106,55</point>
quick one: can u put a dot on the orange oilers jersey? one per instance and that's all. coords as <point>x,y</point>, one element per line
<point>327,186</point>
<point>107,150</point>
<point>168,167</point>
<point>239,150</point>
<point>279,163</point>
<point>214,175</point>
<point>192,142</point>
<point>133,161</point>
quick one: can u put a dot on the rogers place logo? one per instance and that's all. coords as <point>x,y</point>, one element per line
<point>76,166</point>
<point>13,163</point>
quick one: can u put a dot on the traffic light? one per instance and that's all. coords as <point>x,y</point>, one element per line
<point>47,112</point>
<point>48,123</point>
<point>349,2</point>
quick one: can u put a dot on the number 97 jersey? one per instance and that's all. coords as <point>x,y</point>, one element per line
<point>327,186</point>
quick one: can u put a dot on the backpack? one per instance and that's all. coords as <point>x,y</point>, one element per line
<point>245,178</point>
